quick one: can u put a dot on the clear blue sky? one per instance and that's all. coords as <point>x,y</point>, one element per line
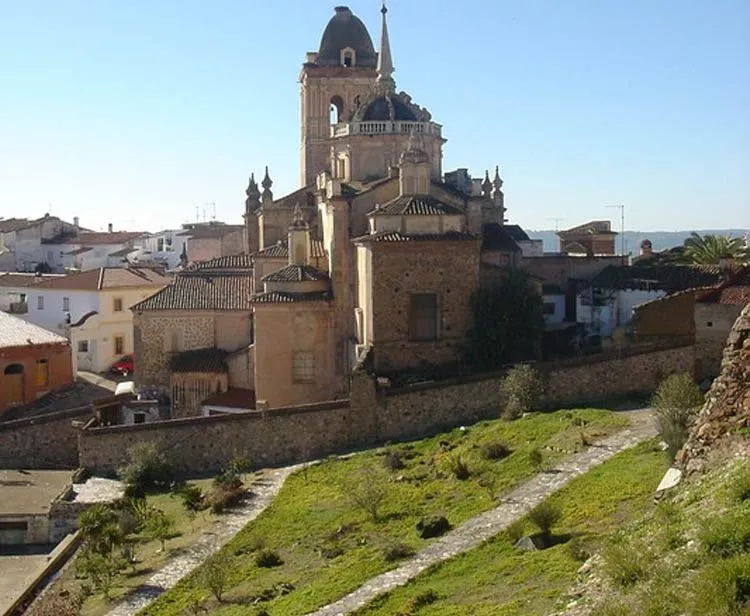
<point>137,112</point>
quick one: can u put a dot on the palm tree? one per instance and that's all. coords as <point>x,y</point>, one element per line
<point>710,249</point>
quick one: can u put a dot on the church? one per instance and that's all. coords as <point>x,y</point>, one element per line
<point>374,256</point>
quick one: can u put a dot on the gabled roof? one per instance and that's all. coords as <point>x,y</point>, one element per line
<point>397,236</point>
<point>287,297</point>
<point>18,279</point>
<point>107,278</point>
<point>415,205</point>
<point>296,273</point>
<point>594,227</point>
<point>15,332</point>
<point>280,250</point>
<point>232,263</point>
<point>668,278</point>
<point>194,291</point>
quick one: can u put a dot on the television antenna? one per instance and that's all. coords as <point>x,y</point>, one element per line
<point>623,243</point>
<point>557,222</point>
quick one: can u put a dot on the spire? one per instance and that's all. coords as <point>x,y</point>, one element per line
<point>386,84</point>
<point>486,184</point>
<point>497,183</point>
<point>267,183</point>
<point>253,194</point>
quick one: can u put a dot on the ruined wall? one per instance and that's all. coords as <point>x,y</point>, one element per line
<point>45,442</point>
<point>370,416</point>
<point>713,322</point>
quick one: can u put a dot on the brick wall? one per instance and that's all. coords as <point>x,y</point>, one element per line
<point>45,442</point>
<point>292,434</point>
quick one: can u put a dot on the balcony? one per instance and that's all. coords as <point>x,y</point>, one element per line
<point>344,129</point>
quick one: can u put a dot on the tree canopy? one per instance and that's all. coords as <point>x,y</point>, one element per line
<point>508,322</point>
<point>710,249</point>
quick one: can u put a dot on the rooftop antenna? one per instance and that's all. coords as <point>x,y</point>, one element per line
<point>197,214</point>
<point>557,222</point>
<point>623,243</point>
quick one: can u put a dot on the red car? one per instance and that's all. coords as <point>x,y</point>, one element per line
<point>124,366</point>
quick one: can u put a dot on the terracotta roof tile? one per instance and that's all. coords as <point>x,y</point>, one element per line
<point>15,332</point>
<point>194,291</point>
<point>280,250</point>
<point>296,273</point>
<point>416,205</point>
<point>397,236</point>
<point>285,297</point>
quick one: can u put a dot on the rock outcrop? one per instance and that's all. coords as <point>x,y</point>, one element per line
<point>723,424</point>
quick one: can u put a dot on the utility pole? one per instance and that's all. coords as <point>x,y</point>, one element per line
<point>623,244</point>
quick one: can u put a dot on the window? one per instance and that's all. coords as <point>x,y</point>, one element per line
<point>139,418</point>
<point>66,304</point>
<point>303,367</point>
<point>423,316</point>
<point>160,244</point>
<point>42,373</point>
<point>40,302</point>
<point>83,346</point>
<point>709,323</point>
<point>9,525</point>
<point>548,308</point>
<point>119,345</point>
<point>117,304</point>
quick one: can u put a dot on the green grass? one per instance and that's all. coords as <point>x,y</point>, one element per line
<point>497,580</point>
<point>329,549</point>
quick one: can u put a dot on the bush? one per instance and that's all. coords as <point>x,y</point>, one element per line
<point>268,559</point>
<point>578,550</point>
<point>727,534</point>
<point>516,531</point>
<point>160,526</point>
<point>624,565</point>
<point>148,469</point>
<point>545,515</point>
<point>536,459</point>
<point>722,588</point>
<point>433,527</point>
<point>522,389</point>
<point>222,496</point>
<point>740,488</point>
<point>366,489</point>
<point>676,401</point>
<point>397,551</point>
<point>495,450</point>
<point>418,601</point>
<point>393,460</point>
<point>459,468</point>
<point>193,499</point>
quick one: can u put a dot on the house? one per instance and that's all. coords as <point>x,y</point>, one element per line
<point>25,244</point>
<point>591,238</point>
<point>165,248</point>
<point>89,250</point>
<point>33,362</point>
<point>92,309</point>
<point>205,241</point>
<point>15,288</point>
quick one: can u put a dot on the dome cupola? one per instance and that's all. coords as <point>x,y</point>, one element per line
<point>346,41</point>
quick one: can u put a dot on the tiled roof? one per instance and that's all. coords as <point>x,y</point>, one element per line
<point>397,236</point>
<point>498,237</point>
<point>15,332</point>
<point>285,297</point>
<point>734,291</point>
<point>194,291</point>
<point>416,205</point>
<point>107,278</point>
<point>18,279</point>
<point>668,278</point>
<point>199,360</point>
<point>296,273</point>
<point>241,263</point>
<point>210,231</point>
<point>280,250</point>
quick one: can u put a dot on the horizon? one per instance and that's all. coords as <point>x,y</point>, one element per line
<point>127,113</point>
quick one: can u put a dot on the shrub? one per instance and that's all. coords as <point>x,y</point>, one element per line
<point>578,550</point>
<point>545,515</point>
<point>193,499</point>
<point>722,588</point>
<point>222,496</point>
<point>366,489</point>
<point>397,551</point>
<point>727,534</point>
<point>433,527</point>
<point>101,569</point>
<point>622,567</point>
<point>214,574</point>
<point>522,389</point>
<point>495,450</point>
<point>459,468</point>
<point>418,601</point>
<point>268,559</point>
<point>536,459</point>
<point>147,469</point>
<point>676,401</point>
<point>516,531</point>
<point>160,526</point>
<point>740,488</point>
<point>393,460</point>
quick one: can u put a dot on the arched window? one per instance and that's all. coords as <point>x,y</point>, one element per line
<point>337,109</point>
<point>348,57</point>
<point>13,369</point>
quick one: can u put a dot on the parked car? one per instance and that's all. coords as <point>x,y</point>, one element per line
<point>124,366</point>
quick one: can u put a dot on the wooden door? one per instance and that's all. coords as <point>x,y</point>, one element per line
<point>13,387</point>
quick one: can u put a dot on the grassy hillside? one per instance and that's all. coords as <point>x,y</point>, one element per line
<point>320,547</point>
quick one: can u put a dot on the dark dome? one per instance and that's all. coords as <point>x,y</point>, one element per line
<point>346,30</point>
<point>388,107</point>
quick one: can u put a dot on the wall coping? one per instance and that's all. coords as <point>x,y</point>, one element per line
<point>15,424</point>
<point>255,415</point>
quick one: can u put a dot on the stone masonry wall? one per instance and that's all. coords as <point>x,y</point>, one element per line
<point>44,442</point>
<point>371,416</point>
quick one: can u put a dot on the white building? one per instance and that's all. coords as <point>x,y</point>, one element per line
<point>26,243</point>
<point>165,248</point>
<point>89,250</point>
<point>92,308</point>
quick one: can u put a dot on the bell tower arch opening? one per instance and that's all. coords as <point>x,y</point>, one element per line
<point>337,109</point>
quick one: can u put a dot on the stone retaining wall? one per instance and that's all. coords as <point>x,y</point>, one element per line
<point>370,416</point>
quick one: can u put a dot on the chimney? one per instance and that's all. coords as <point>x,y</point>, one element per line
<point>109,227</point>
<point>76,221</point>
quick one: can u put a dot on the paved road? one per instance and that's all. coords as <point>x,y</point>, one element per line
<point>514,506</point>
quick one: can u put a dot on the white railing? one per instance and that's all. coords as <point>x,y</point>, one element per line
<point>386,128</point>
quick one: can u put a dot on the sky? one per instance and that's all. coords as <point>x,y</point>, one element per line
<point>149,114</point>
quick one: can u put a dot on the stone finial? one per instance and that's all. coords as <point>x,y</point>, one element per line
<point>253,194</point>
<point>298,221</point>
<point>267,183</point>
<point>486,184</point>
<point>497,182</point>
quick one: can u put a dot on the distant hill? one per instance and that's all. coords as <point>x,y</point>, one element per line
<point>661,240</point>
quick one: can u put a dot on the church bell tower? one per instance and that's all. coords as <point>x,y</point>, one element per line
<point>334,82</point>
